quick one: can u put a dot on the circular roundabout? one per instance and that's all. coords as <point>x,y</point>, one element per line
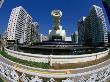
<point>61,68</point>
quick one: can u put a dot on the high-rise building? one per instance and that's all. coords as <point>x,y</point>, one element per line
<point>81,31</point>
<point>34,32</point>
<point>19,26</point>
<point>98,26</point>
<point>95,28</point>
<point>27,32</point>
<point>1,3</point>
<point>106,4</point>
<point>88,31</point>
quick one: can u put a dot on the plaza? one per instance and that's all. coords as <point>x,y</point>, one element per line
<point>26,55</point>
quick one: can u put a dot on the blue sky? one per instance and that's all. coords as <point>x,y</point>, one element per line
<point>40,11</point>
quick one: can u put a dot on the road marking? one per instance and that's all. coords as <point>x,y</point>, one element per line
<point>36,71</point>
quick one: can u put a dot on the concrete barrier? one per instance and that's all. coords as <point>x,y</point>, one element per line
<point>57,58</point>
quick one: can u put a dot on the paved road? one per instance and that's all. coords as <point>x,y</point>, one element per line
<point>57,72</point>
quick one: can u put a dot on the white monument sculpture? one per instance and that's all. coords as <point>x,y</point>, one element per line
<point>57,33</point>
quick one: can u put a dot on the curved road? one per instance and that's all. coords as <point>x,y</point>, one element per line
<point>51,71</point>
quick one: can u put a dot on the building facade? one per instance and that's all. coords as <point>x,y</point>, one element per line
<point>1,3</point>
<point>106,4</point>
<point>98,26</point>
<point>109,37</point>
<point>95,28</point>
<point>34,32</point>
<point>27,32</point>
<point>16,25</point>
<point>19,26</point>
<point>81,31</point>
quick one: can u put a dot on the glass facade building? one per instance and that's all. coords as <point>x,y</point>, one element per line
<point>1,3</point>
<point>81,31</point>
<point>94,28</point>
<point>106,4</point>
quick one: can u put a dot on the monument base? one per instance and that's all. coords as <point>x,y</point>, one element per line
<point>57,35</point>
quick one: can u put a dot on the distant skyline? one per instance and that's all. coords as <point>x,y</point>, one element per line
<point>40,10</point>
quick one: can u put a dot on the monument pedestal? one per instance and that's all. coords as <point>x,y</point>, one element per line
<point>57,35</point>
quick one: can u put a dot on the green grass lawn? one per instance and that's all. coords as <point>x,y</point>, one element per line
<point>25,62</point>
<point>55,66</point>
